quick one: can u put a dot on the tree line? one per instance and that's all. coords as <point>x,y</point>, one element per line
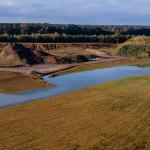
<point>70,29</point>
<point>56,38</point>
<point>29,32</point>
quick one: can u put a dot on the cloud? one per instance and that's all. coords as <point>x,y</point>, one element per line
<point>79,11</point>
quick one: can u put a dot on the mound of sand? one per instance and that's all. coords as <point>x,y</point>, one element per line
<point>17,54</point>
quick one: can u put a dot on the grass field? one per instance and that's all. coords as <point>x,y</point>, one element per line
<point>110,116</point>
<point>17,83</point>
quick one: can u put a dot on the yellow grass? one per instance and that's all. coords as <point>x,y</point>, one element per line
<point>142,40</point>
<point>110,116</point>
<point>69,52</point>
<point>17,83</point>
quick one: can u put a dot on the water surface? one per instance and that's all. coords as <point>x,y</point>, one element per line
<point>72,82</point>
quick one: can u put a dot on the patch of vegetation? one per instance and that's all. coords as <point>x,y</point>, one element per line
<point>59,38</point>
<point>74,59</point>
<point>17,83</point>
<point>71,29</point>
<point>110,116</point>
<point>131,50</point>
<point>136,47</point>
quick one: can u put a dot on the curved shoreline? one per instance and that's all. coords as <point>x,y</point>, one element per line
<point>45,69</point>
<point>72,82</point>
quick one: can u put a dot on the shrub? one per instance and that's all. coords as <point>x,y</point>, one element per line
<point>148,53</point>
<point>131,50</point>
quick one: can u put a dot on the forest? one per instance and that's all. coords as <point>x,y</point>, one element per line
<point>29,32</point>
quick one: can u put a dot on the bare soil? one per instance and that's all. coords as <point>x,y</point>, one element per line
<point>48,69</point>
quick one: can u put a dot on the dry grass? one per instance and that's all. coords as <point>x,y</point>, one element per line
<point>111,116</point>
<point>17,83</point>
<point>71,51</point>
<point>142,40</point>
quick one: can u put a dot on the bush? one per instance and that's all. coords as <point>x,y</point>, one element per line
<point>148,53</point>
<point>80,58</point>
<point>131,50</point>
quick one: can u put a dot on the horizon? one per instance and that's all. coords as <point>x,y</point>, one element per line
<point>49,23</point>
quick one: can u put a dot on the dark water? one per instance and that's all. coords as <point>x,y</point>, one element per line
<point>72,82</point>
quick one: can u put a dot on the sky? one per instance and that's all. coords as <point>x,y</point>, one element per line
<point>129,12</point>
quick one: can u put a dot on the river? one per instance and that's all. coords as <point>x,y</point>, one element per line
<point>71,82</point>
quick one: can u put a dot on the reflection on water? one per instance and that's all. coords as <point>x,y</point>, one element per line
<point>95,59</point>
<point>75,81</point>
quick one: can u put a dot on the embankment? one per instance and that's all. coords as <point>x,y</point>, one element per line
<point>43,53</point>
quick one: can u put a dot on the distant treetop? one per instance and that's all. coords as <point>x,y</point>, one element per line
<point>70,29</point>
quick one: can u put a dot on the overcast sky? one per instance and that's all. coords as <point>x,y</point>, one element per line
<point>76,11</point>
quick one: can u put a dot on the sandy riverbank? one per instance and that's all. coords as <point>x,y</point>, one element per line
<point>48,69</point>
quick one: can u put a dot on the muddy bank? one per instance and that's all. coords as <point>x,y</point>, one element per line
<point>18,54</point>
<point>44,69</point>
<point>50,53</point>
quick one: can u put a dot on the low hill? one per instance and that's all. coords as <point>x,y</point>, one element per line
<point>136,47</point>
<point>144,40</point>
